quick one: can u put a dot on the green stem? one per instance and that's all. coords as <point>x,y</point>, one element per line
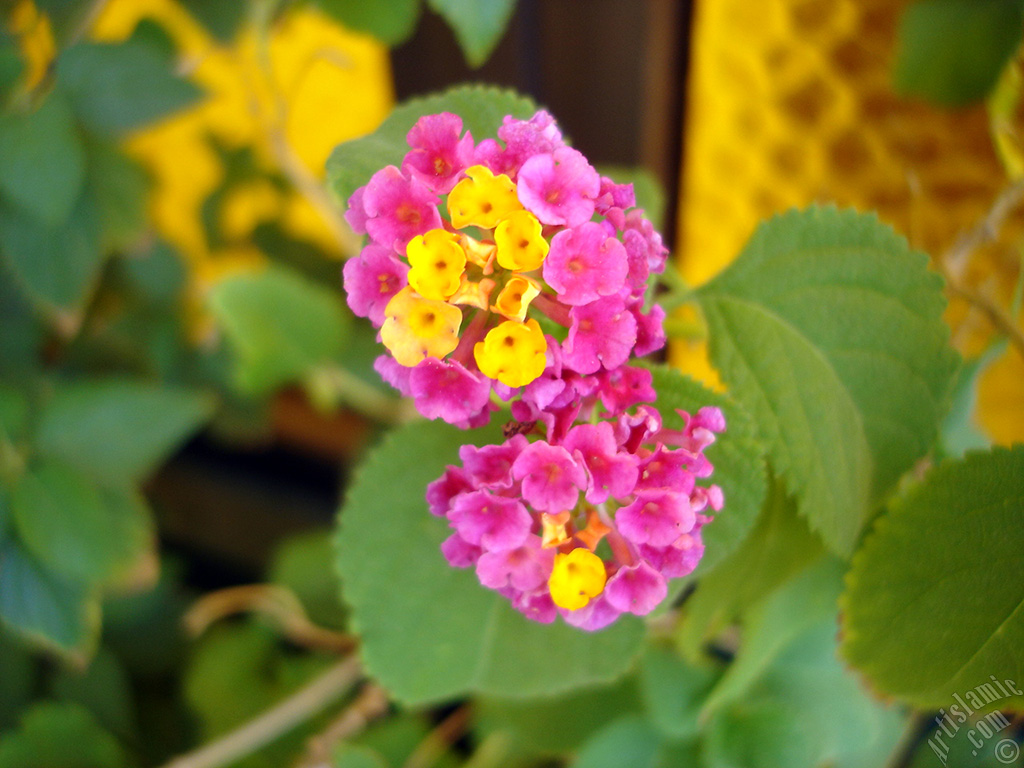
<point>679,292</point>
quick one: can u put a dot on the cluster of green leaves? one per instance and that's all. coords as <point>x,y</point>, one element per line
<point>828,333</point>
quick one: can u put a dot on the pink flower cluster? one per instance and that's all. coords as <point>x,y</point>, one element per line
<point>600,252</point>
<point>624,490</point>
<point>510,270</point>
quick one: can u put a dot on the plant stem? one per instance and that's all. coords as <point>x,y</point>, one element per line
<point>679,292</point>
<point>277,720</point>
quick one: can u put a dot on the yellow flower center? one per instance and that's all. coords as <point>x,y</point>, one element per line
<point>514,299</point>
<point>416,328</point>
<point>436,262</point>
<point>513,352</point>
<point>482,199</point>
<point>521,246</point>
<point>576,578</point>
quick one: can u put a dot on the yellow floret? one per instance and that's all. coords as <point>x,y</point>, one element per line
<point>416,328</point>
<point>482,199</point>
<point>437,264</point>
<point>513,353</point>
<point>514,299</point>
<point>576,578</point>
<point>521,246</point>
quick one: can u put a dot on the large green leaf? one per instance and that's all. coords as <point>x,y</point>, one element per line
<point>951,52</point>
<point>118,87</point>
<point>736,454</point>
<point>778,546</point>
<point>77,529</point>
<point>478,24</point>
<point>103,688</point>
<point>806,711</point>
<point>43,607</point>
<point>390,21</point>
<point>118,430</point>
<point>42,163</point>
<point>429,631</point>
<point>17,679</point>
<point>935,603</point>
<point>631,741</point>
<point>281,325</point>
<point>673,691</point>
<point>60,736</point>
<point>481,108</point>
<point>57,266</point>
<point>829,330</point>
<point>119,185</point>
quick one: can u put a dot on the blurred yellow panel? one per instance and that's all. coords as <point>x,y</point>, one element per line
<point>790,103</point>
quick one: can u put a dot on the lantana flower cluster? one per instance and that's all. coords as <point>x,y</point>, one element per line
<point>475,249</point>
<point>511,271</point>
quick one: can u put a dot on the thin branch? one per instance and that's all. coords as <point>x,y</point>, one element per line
<point>369,705</point>
<point>439,740</point>
<point>271,600</point>
<point>995,314</point>
<point>276,721</point>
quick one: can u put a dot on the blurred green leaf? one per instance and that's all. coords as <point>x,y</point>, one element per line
<point>42,162</point>
<point>947,555</point>
<point>939,750</point>
<point>56,266</point>
<point>76,529</point>
<point>66,16</point>
<point>236,672</point>
<point>396,737</point>
<point>801,603</point>
<point>21,332</point>
<point>60,736</point>
<point>390,21</point>
<point>429,631</point>
<point>103,688</point>
<point>158,274</point>
<point>17,679</point>
<point>959,432</point>
<point>806,711</point>
<point>673,691</point>
<point>221,19</point>
<point>737,456</point>
<point>478,24</point>
<point>118,430</point>
<point>952,52</point>
<point>305,564</point>
<point>778,546</point>
<point>14,412</point>
<point>629,741</point>
<point>116,87</point>
<point>481,108</point>
<point>43,607</point>
<point>281,326</point>
<point>845,408</point>
<point>556,724</point>
<point>356,756</point>
<point>5,515</point>
<point>12,65</point>
<point>119,186</point>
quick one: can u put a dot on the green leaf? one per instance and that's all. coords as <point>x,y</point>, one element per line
<point>12,66</point>
<point>60,736</point>
<point>57,267</point>
<point>803,602</point>
<point>103,688</point>
<point>304,563</point>
<point>77,529</point>
<point>947,556</point>
<point>951,52</point>
<point>118,430</point>
<point>237,672</point>
<point>17,680</point>
<point>42,163</point>
<point>481,108</point>
<point>356,756</point>
<point>629,741</point>
<point>939,749</point>
<point>478,24</point>
<point>119,87</point>
<point>21,332</point>
<point>736,455</point>
<point>959,432</point>
<point>829,330</point>
<point>43,607</point>
<point>222,20</point>
<point>778,546</point>
<point>390,21</point>
<point>14,413</point>
<point>281,325</point>
<point>556,724</point>
<point>806,711</point>
<point>429,631</point>
<point>119,185</point>
<point>673,692</point>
